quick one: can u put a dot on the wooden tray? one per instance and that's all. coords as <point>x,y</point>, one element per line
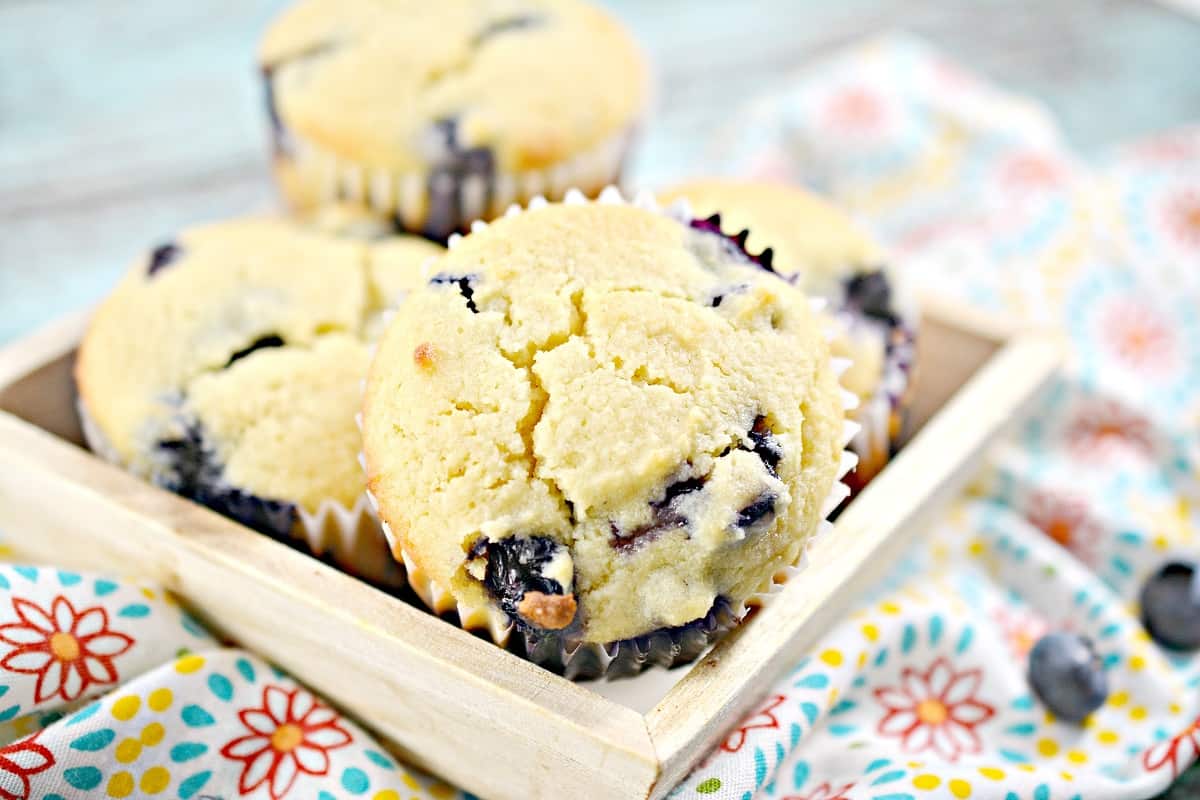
<point>454,704</point>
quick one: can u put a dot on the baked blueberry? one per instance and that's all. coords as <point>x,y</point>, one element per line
<point>611,409</point>
<point>261,343</point>
<point>463,282</point>
<point>870,294</point>
<point>823,251</point>
<point>1170,600</point>
<point>231,377</point>
<point>530,577</point>
<point>191,469</point>
<point>1067,674</point>
<point>162,257</point>
<point>523,99</point>
<point>666,516</point>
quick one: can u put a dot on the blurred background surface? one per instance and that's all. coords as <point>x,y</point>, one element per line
<point>123,120</point>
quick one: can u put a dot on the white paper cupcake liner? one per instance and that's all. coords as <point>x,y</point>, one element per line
<point>352,538</point>
<point>666,647</point>
<point>408,196</point>
<point>883,415</point>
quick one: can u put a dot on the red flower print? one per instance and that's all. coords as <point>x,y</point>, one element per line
<point>1032,171</point>
<point>17,762</point>
<point>1103,427</point>
<point>1021,629</point>
<point>823,792</point>
<point>764,719</point>
<point>854,109</point>
<point>1064,518</point>
<point>290,733</point>
<point>1139,336</point>
<point>935,710</point>
<point>1183,218</point>
<point>68,651</point>
<point>1178,751</point>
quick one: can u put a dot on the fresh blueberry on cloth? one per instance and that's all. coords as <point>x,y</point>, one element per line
<point>1066,673</point>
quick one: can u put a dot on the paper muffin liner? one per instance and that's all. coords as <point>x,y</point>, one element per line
<point>446,197</point>
<point>664,647</point>
<point>883,416</point>
<point>351,538</point>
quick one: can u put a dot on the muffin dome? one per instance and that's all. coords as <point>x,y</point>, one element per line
<point>226,365</point>
<point>602,420</point>
<point>829,256</point>
<point>437,111</point>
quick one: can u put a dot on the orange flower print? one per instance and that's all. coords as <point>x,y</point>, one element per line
<point>1182,214</point>
<point>1139,336</point>
<point>935,710</point>
<point>1031,171</point>
<point>763,719</point>
<point>1064,518</point>
<point>291,734</point>
<point>19,761</point>
<point>855,109</point>
<point>824,792</point>
<point>1178,751</point>
<point>1101,429</point>
<point>69,652</point>
<point>1021,629</point>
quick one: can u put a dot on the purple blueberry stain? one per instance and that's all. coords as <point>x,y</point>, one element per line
<point>510,24</point>
<point>452,167</point>
<point>761,510</point>
<point>667,516</point>
<point>736,243</point>
<point>194,472</point>
<point>765,445</point>
<point>162,257</point>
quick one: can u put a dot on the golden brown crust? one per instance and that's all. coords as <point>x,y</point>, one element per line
<point>553,612</point>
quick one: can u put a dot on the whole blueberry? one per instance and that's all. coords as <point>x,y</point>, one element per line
<point>1171,606</point>
<point>1066,673</point>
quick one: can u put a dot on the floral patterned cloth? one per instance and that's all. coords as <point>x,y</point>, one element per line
<point>922,692</point>
<point>108,689</point>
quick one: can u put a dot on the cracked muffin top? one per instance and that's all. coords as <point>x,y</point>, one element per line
<point>831,256</point>
<point>603,420</point>
<point>376,82</point>
<point>226,365</point>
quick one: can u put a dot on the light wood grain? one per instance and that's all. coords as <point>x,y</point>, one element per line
<point>456,705</point>
<point>867,537</point>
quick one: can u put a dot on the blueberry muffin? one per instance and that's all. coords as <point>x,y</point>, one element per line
<point>830,257</point>
<point>437,114</point>
<point>610,426</point>
<point>226,366</point>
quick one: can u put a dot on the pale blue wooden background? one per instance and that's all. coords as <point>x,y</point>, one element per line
<point>122,120</point>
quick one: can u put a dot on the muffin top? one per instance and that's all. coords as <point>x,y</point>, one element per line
<point>826,252</point>
<point>232,358</point>
<point>395,84</point>
<point>602,419</point>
